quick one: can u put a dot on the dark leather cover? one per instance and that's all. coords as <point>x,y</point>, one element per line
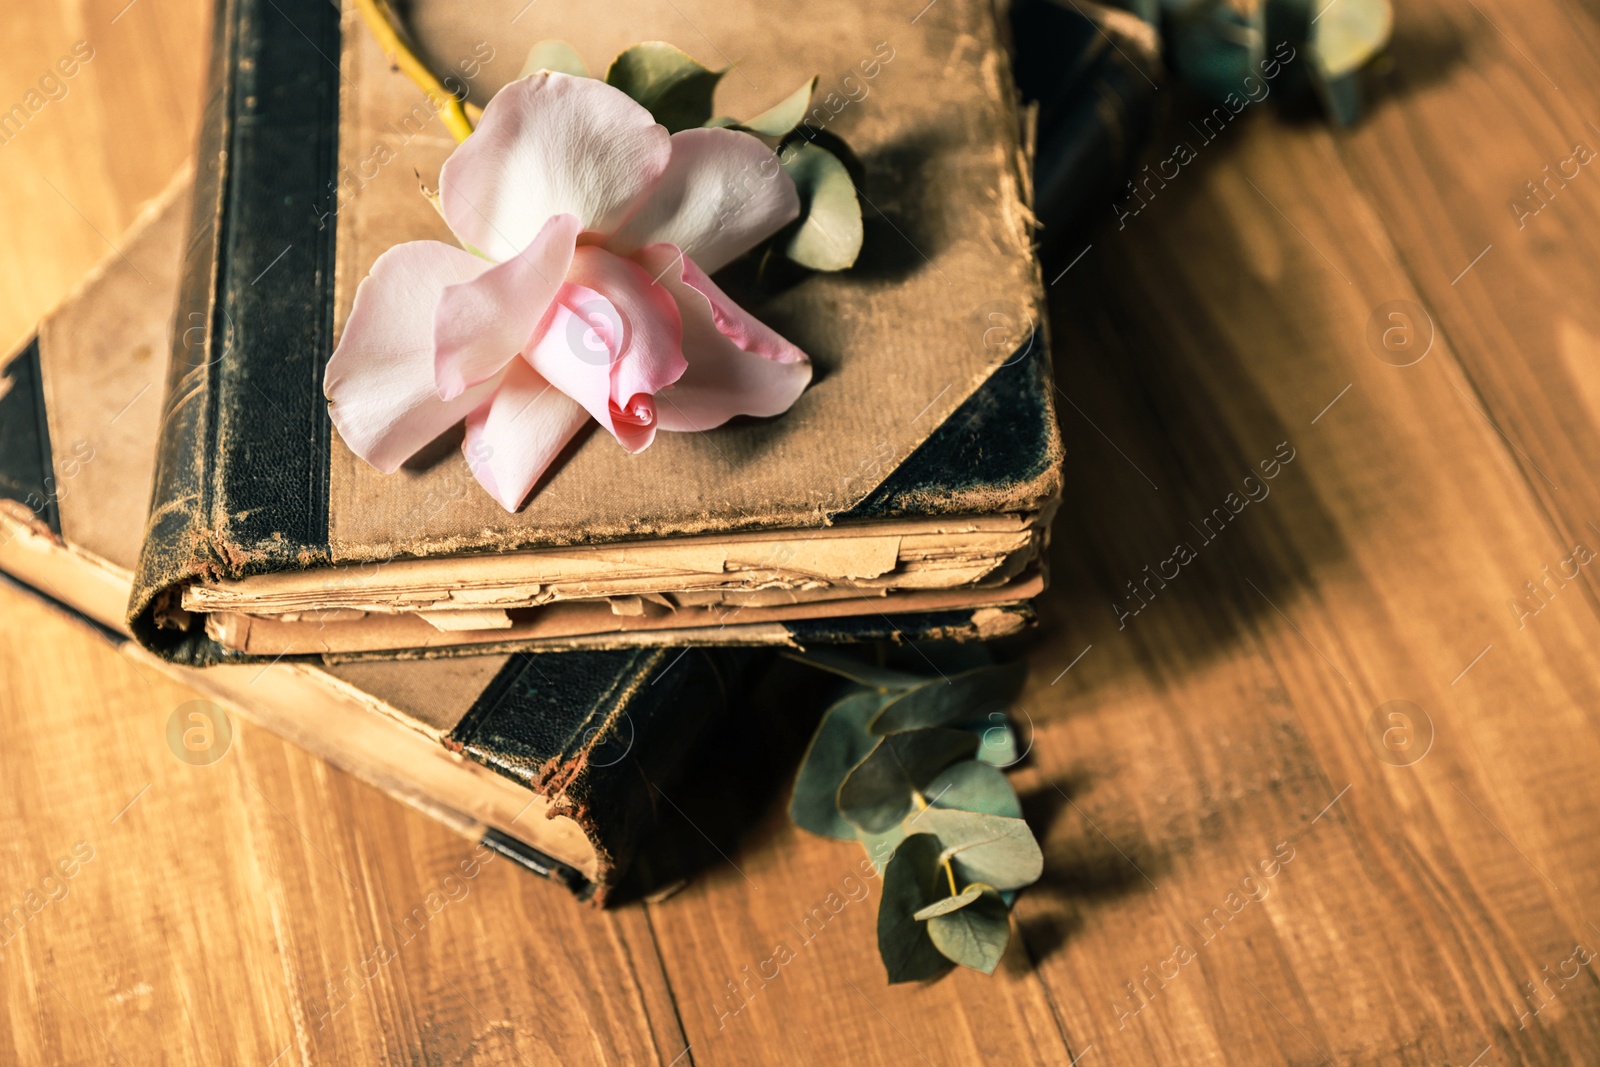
<point>26,475</point>
<point>605,756</point>
<point>241,480</point>
<point>241,477</point>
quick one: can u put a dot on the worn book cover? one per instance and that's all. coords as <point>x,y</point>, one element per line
<point>556,760</point>
<point>915,475</point>
<point>552,760</point>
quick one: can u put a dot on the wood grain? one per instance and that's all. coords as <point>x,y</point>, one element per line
<point>1239,870</point>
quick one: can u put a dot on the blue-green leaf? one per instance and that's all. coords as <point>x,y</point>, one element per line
<point>973,786</point>
<point>1348,33</point>
<point>830,233</point>
<point>909,885</point>
<point>997,739</point>
<point>958,698</point>
<point>558,56</point>
<point>784,116</point>
<point>841,742</point>
<point>985,848</point>
<point>955,903</point>
<point>974,935</point>
<point>880,847</point>
<point>867,674</point>
<point>878,791</point>
<point>674,88</point>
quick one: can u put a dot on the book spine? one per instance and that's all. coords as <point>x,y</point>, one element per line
<point>238,488</point>
<point>27,473</point>
<point>603,763</point>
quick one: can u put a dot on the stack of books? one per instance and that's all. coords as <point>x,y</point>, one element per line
<point>169,472</point>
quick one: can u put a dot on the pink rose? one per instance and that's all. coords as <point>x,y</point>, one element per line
<point>588,296</point>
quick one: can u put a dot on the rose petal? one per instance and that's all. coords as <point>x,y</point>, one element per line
<point>514,437</point>
<point>611,340</point>
<point>721,194</point>
<point>482,324</point>
<point>550,144</point>
<point>737,364</point>
<point>379,380</point>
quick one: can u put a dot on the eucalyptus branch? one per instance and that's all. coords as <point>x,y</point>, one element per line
<point>949,870</point>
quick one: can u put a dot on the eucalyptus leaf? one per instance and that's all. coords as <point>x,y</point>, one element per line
<point>910,884</point>
<point>780,119</point>
<point>877,793</point>
<point>955,903</point>
<point>973,786</point>
<point>854,669</point>
<point>1217,46</point>
<point>986,848</point>
<point>841,742</point>
<point>1341,97</point>
<point>944,701</point>
<point>558,56</point>
<point>880,847</point>
<point>974,935</point>
<point>997,739</point>
<point>1349,33</point>
<point>830,233</point>
<point>674,88</point>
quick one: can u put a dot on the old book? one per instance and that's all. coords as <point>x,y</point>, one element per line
<point>553,759</point>
<point>917,474</point>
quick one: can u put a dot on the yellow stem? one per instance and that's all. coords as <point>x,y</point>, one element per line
<point>949,871</point>
<point>385,26</point>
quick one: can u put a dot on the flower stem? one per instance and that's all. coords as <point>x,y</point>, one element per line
<point>949,871</point>
<point>385,26</point>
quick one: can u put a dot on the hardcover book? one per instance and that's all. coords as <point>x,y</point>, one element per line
<point>555,760</point>
<point>912,480</point>
<point>552,760</point>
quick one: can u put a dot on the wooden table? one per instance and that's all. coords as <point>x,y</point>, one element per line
<point>1435,872</point>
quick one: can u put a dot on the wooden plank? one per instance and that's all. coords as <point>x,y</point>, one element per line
<point>1471,164</point>
<point>1428,908</point>
<point>1230,714</point>
<point>96,144</point>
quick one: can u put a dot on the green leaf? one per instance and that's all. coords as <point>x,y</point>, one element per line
<point>829,237</point>
<point>880,847</point>
<point>1349,33</point>
<point>973,786</point>
<point>944,701</point>
<point>558,56</point>
<point>780,119</point>
<point>854,669</point>
<point>974,935</point>
<point>909,885</point>
<point>841,742</point>
<point>877,792</point>
<point>986,848</point>
<point>997,740</point>
<point>674,88</point>
<point>955,903</point>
